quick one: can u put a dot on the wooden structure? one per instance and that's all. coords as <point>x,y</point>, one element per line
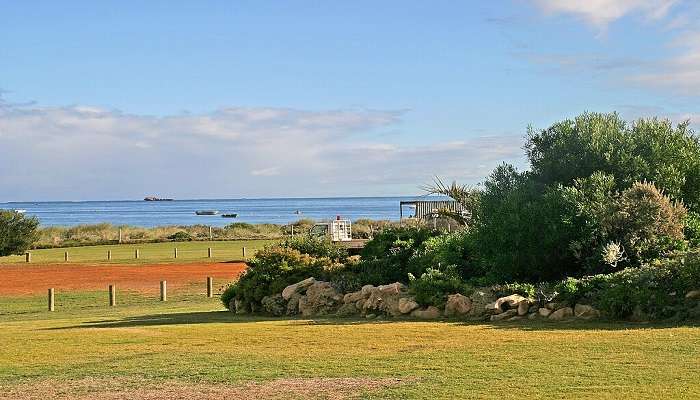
<point>424,209</point>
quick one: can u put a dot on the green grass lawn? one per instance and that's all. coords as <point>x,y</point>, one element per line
<point>190,343</point>
<point>148,252</point>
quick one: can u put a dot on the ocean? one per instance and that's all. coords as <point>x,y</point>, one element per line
<point>182,212</point>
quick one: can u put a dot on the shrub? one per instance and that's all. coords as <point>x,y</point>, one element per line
<point>181,236</point>
<point>434,285</point>
<point>17,232</point>
<point>318,247</point>
<point>456,249</point>
<point>656,290</point>
<point>387,257</point>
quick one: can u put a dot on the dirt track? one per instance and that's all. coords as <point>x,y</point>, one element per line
<point>33,279</point>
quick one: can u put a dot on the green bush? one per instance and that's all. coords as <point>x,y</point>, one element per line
<point>655,290</point>
<point>434,285</point>
<point>181,236</point>
<point>17,232</point>
<point>318,247</point>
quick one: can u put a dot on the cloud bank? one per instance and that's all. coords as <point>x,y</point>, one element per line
<point>80,152</point>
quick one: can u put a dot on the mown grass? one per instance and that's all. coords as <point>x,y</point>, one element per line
<point>148,252</point>
<point>192,339</point>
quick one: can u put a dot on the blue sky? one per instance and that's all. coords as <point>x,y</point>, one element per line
<point>115,100</point>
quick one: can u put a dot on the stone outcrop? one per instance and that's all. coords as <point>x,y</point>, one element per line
<point>407,304</point>
<point>504,315</point>
<point>298,287</point>
<point>585,311</point>
<point>457,305</point>
<point>693,295</point>
<point>561,314</point>
<point>426,313</point>
<point>321,299</point>
<point>480,299</point>
<point>544,312</point>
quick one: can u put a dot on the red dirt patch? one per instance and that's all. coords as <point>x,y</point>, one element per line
<point>34,279</point>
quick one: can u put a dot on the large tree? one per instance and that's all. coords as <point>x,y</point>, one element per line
<point>652,150</point>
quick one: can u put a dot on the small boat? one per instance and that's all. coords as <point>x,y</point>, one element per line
<point>229,215</point>
<point>206,212</point>
<point>20,211</point>
<point>153,198</point>
<point>298,212</point>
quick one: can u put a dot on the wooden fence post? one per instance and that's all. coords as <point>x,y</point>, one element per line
<point>28,257</point>
<point>209,252</point>
<point>211,236</point>
<point>243,252</point>
<point>65,256</point>
<point>51,300</point>
<point>175,253</point>
<point>210,286</point>
<point>136,253</point>
<point>112,295</point>
<point>163,291</point>
<point>109,254</point>
<point>120,235</point>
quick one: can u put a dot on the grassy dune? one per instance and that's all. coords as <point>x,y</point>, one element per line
<point>190,344</point>
<point>148,252</point>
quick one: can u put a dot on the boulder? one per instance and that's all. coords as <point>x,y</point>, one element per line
<point>407,304</point>
<point>693,295</point>
<point>366,290</point>
<point>457,305</point>
<point>533,308</point>
<point>390,305</point>
<point>480,299</point>
<point>533,316</point>
<point>492,308</point>
<point>504,315</point>
<point>274,305</point>
<point>373,300</point>
<point>347,310</point>
<point>428,313</point>
<point>523,307</point>
<point>297,288</point>
<point>561,314</point>
<point>544,312</point>
<point>293,304</point>
<point>321,299</point>
<point>585,311</point>
<point>353,297</point>
<point>512,301</point>
<point>394,288</point>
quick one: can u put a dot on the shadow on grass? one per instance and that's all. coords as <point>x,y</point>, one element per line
<point>211,317</point>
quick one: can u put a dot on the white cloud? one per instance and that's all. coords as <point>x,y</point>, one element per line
<point>680,73</point>
<point>90,153</point>
<point>601,13</point>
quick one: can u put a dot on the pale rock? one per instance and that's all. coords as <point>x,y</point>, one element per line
<point>353,297</point>
<point>533,316</point>
<point>585,311</point>
<point>480,299</point>
<point>561,314</point>
<point>293,304</point>
<point>394,288</point>
<point>407,304</point>
<point>429,313</point>
<point>366,290</point>
<point>693,295</point>
<point>544,312</point>
<point>523,307</point>
<point>297,287</point>
<point>493,308</point>
<point>321,299</point>
<point>504,315</point>
<point>457,305</point>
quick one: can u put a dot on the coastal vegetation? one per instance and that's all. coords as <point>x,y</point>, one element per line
<point>18,232</point>
<point>105,233</point>
<point>606,217</point>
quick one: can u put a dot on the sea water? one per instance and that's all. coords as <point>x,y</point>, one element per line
<point>182,212</point>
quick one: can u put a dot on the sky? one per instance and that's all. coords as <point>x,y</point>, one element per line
<point>229,99</point>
